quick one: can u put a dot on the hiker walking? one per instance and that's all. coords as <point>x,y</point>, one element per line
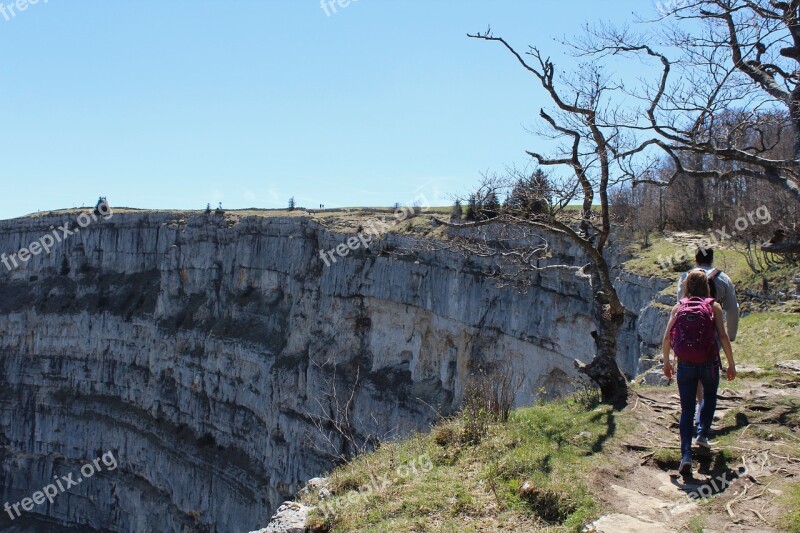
<point>723,292</point>
<point>691,335</point>
<point>721,287</point>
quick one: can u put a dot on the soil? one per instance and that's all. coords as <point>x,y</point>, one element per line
<point>733,488</point>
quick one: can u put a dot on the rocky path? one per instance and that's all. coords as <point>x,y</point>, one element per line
<point>735,486</point>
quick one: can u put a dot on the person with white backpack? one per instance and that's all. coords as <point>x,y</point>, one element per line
<point>724,293</point>
<point>695,326</point>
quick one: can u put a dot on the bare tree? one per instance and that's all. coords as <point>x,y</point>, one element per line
<point>343,433</point>
<point>590,156</point>
<point>719,110</point>
<point>726,58</point>
<point>721,103</point>
<point>688,203</point>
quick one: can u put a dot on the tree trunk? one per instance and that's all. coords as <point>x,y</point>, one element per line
<point>603,368</point>
<point>794,113</point>
<point>702,219</point>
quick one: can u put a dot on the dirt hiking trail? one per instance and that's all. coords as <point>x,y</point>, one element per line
<point>737,485</point>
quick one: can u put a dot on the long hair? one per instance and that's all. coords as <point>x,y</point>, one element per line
<point>696,284</point>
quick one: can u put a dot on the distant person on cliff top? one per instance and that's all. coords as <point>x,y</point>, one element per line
<point>691,335</point>
<point>724,293</point>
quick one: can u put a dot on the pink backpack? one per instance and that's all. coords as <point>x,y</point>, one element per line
<point>693,335</point>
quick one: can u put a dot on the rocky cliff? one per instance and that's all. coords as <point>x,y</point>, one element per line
<point>221,361</point>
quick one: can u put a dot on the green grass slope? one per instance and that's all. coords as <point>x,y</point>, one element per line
<point>539,470</point>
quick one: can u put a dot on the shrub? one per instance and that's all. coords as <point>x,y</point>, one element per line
<point>445,435</point>
<point>475,412</point>
<point>587,397</point>
<point>488,397</point>
<point>550,505</point>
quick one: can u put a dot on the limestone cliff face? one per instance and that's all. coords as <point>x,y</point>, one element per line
<point>203,351</point>
<point>647,303</point>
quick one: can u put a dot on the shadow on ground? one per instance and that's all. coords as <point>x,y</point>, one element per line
<point>713,477</point>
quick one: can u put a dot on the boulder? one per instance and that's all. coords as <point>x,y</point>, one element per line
<point>646,364</point>
<point>654,376</point>
<point>290,518</point>
<point>622,523</point>
<point>749,369</point>
<point>791,365</point>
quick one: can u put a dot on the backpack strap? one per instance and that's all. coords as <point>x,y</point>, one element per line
<point>712,276</point>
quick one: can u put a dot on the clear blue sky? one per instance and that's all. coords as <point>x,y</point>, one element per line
<point>176,103</point>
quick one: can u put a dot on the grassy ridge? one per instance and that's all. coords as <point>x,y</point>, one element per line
<point>792,501</point>
<point>476,487</point>
<point>731,260</point>
<point>767,338</point>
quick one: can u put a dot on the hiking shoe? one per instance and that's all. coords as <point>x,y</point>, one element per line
<point>686,466</point>
<point>702,440</point>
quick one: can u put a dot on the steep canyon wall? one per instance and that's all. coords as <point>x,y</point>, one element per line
<point>203,351</point>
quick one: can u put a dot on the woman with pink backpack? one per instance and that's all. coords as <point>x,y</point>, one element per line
<point>694,326</point>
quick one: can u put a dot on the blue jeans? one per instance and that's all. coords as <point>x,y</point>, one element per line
<point>689,375</point>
